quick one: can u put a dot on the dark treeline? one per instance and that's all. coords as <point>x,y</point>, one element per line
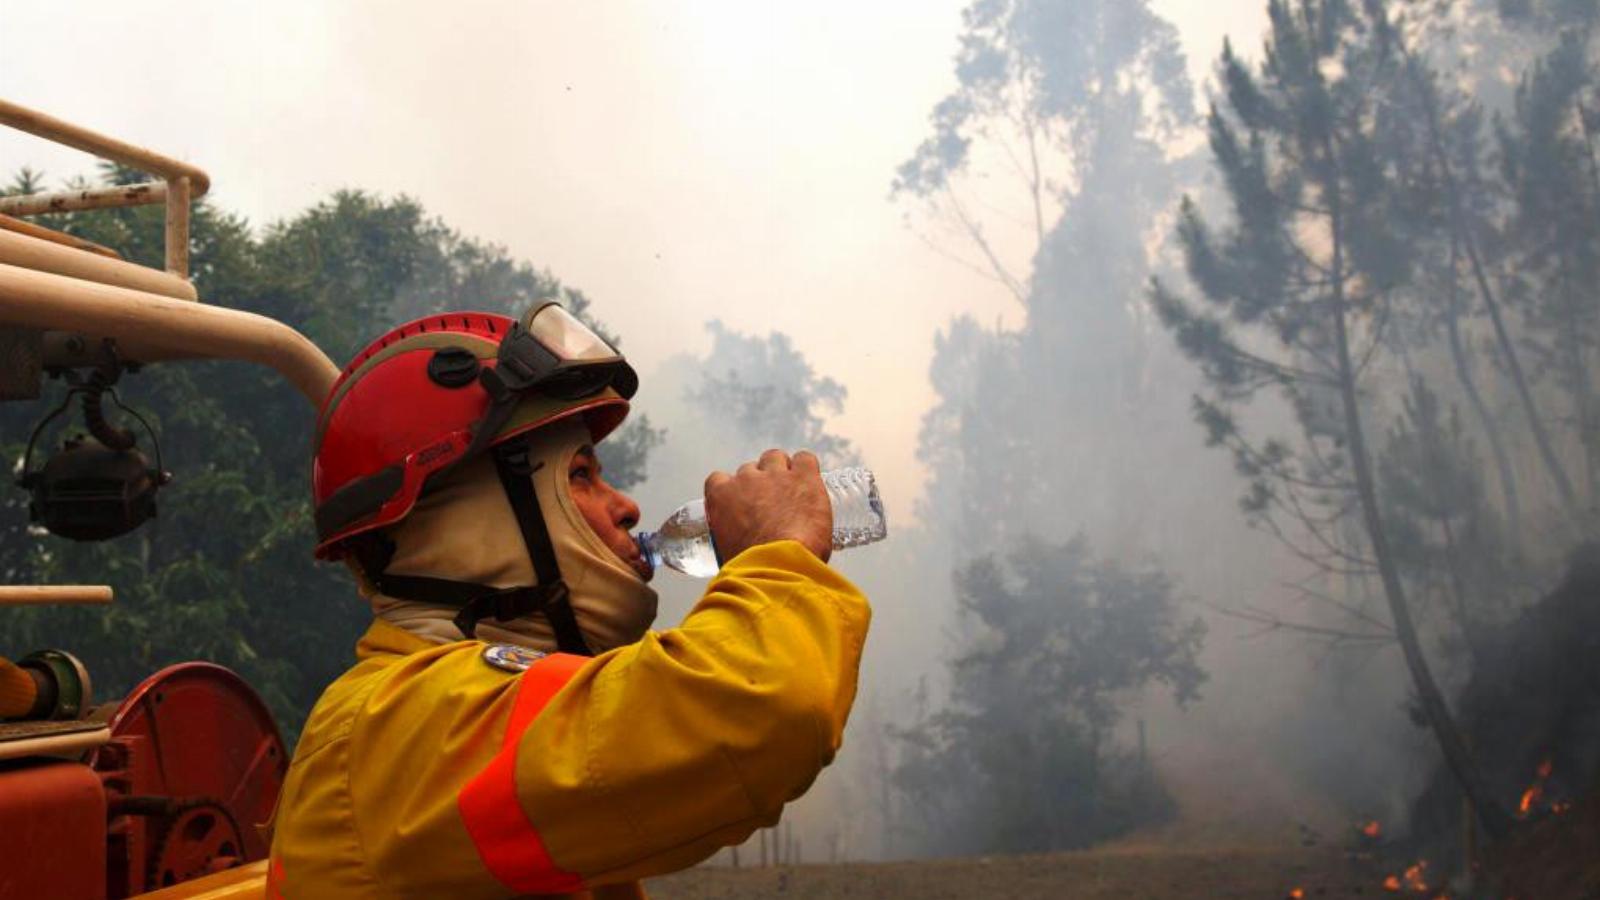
<point>224,572</point>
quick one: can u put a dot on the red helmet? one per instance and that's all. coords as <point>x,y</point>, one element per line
<point>435,392</point>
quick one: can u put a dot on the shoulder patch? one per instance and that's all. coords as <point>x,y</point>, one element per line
<point>510,657</point>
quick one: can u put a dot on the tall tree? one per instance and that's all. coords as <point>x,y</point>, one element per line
<point>1552,174</point>
<point>1453,154</point>
<point>1447,541</point>
<point>1021,759</point>
<point>1044,170</point>
<point>1073,104</point>
<point>1298,291</point>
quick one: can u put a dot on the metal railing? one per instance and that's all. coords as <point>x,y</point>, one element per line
<point>181,183</point>
<point>61,295</point>
<point>54,594</point>
<point>54,282</point>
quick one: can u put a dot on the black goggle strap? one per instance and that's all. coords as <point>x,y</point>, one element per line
<point>522,365</point>
<point>478,602</point>
<point>516,479</point>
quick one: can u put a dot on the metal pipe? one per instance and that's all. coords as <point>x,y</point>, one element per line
<point>148,328</point>
<point>53,129</point>
<point>22,226</point>
<point>32,253</point>
<point>178,227</point>
<point>65,744</point>
<point>46,594</point>
<point>147,193</point>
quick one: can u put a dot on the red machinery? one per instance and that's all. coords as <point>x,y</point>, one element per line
<point>173,783</point>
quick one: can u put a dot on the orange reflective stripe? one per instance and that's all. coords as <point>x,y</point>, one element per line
<point>275,879</point>
<point>507,842</point>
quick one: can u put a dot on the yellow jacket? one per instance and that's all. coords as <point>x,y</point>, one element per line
<point>430,770</point>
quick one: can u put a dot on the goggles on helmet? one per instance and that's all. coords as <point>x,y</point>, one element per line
<point>559,356</point>
<point>417,403</point>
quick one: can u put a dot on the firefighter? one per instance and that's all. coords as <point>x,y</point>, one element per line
<point>511,726</point>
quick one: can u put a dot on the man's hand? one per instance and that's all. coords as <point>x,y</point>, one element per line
<point>778,498</point>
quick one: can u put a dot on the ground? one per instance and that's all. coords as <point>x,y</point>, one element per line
<point>1245,831</point>
<point>1118,872</point>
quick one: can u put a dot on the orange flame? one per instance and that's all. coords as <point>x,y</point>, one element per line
<point>1535,791</point>
<point>1415,877</point>
<point>1297,894</point>
<point>1529,798</point>
<point>1372,829</point>
<point>1392,883</point>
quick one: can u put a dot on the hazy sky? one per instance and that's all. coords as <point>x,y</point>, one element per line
<point>677,161</point>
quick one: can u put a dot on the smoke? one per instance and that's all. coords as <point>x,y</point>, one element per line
<point>1055,168</point>
<point>1058,144</point>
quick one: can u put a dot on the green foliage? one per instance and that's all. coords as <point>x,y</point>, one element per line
<point>1022,759</point>
<point>1446,536</point>
<point>767,395</point>
<point>225,572</point>
<point>27,181</point>
<point>1551,237</point>
<point>1297,288</point>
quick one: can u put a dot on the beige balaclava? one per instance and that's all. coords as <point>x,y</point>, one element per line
<point>463,529</point>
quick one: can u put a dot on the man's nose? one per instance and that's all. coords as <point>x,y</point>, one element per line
<point>624,511</point>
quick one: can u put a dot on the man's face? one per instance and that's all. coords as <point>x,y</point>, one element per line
<point>610,512</point>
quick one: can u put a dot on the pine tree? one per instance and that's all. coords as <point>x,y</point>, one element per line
<point>1298,292</point>
<point>1551,172</point>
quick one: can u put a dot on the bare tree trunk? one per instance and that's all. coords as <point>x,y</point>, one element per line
<point>1588,143</point>
<point>1491,430</point>
<point>1589,436</point>
<point>1541,436</point>
<point>1458,591</point>
<point>1508,351</point>
<point>1496,821</point>
<point>1578,379</point>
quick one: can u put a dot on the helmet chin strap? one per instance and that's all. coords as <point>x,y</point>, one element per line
<point>516,478</point>
<point>477,602</point>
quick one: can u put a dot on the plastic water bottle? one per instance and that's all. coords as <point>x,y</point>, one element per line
<point>684,541</point>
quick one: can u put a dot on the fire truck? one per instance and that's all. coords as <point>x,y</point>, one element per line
<point>166,792</point>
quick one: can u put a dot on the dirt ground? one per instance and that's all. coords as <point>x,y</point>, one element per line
<point>1245,874</point>
<point>1250,834</point>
